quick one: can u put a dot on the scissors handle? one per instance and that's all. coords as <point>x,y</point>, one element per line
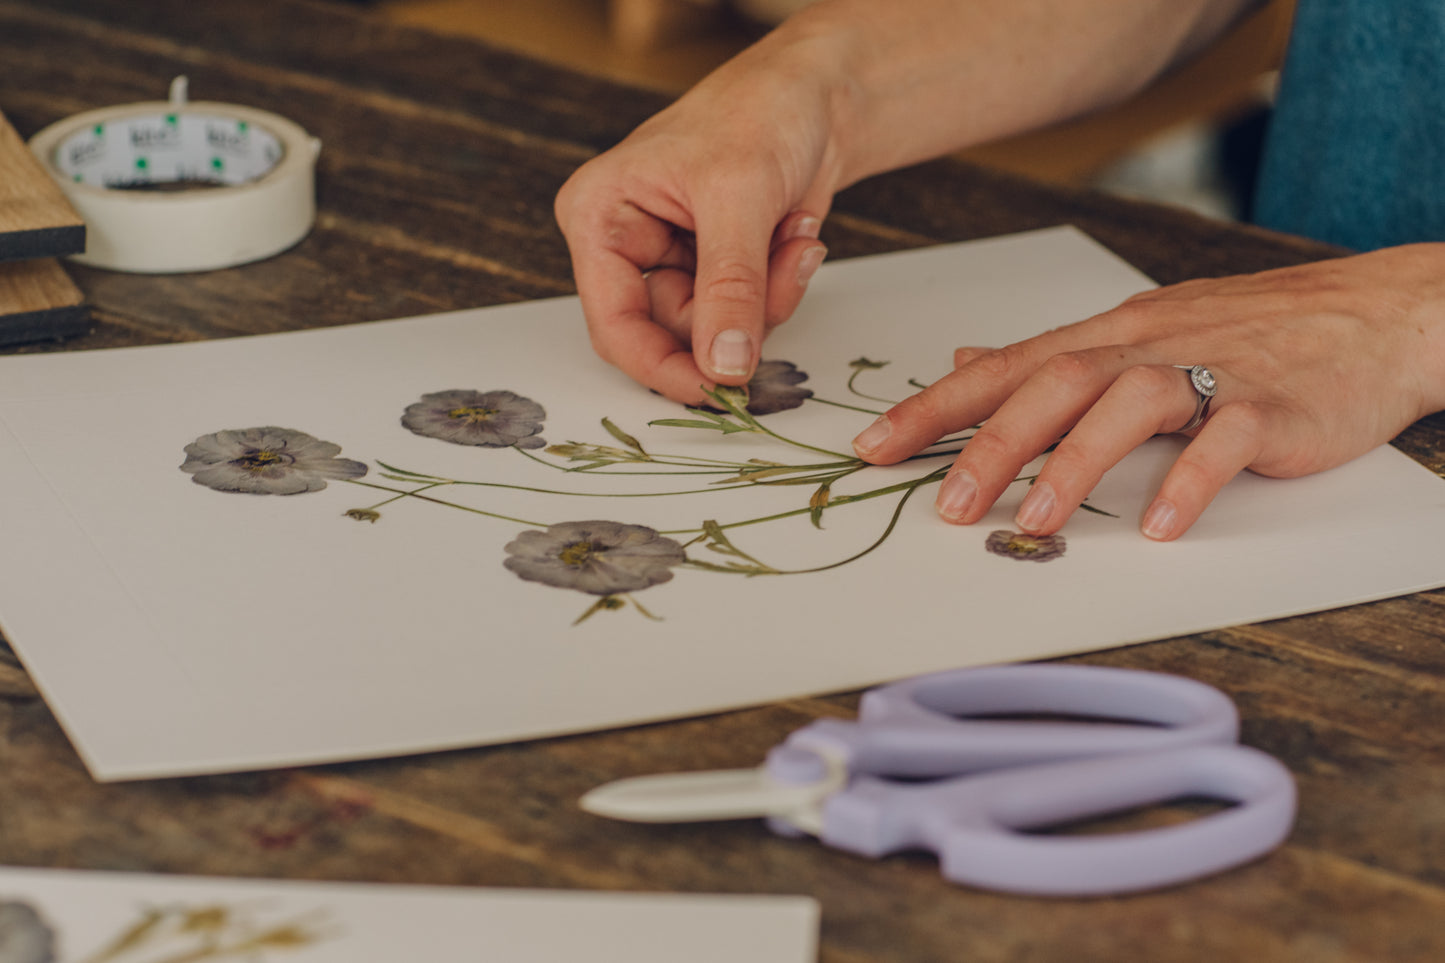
<point>923,727</point>
<point>979,825</point>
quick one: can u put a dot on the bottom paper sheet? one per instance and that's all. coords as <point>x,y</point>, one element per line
<point>67,916</point>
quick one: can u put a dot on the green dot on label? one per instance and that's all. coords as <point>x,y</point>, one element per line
<point>241,126</point>
<point>99,130</point>
<point>78,178</point>
<point>217,163</point>
<point>170,118</point>
<point>142,163</point>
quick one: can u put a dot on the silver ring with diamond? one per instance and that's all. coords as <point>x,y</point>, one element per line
<point>1201,379</point>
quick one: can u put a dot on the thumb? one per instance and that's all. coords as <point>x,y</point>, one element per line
<point>730,295</point>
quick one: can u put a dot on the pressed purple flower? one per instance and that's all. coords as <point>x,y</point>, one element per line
<point>24,936</point>
<point>774,388</point>
<point>266,461</point>
<point>1025,547</point>
<point>491,419</point>
<point>598,557</point>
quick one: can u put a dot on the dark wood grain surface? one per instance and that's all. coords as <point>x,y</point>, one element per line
<point>435,181</point>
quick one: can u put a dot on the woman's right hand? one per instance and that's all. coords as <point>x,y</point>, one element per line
<point>698,233</point>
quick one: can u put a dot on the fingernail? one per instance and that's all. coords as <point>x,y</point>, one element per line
<point>957,494</point>
<point>805,227</point>
<point>870,439</point>
<point>808,263</point>
<point>732,352</point>
<point>1159,520</point>
<point>1037,507</point>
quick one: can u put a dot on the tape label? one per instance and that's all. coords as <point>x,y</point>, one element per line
<point>169,148</point>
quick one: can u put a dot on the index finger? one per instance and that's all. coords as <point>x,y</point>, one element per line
<point>609,261</point>
<point>960,399</point>
<point>982,380</point>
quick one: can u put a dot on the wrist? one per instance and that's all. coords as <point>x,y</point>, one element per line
<point>1428,318</point>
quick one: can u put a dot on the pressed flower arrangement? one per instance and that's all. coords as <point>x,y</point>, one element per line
<point>162,934</point>
<point>608,559</point>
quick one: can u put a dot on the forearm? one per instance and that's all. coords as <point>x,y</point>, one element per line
<point>912,79</point>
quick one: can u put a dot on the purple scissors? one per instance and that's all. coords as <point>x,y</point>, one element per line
<point>923,767</point>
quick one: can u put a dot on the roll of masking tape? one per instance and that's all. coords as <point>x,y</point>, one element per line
<point>173,186</point>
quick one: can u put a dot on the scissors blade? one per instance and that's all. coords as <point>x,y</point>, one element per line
<point>698,796</point>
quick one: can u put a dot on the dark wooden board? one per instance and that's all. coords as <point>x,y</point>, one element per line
<point>35,218</point>
<point>39,302</point>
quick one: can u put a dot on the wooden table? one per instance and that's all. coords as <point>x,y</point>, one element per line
<point>435,183</point>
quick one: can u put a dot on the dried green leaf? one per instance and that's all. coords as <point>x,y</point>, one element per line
<point>733,397</point>
<point>818,502</point>
<point>638,605</point>
<point>757,474</point>
<point>410,474</point>
<point>622,436</point>
<point>608,602</point>
<point>713,422</point>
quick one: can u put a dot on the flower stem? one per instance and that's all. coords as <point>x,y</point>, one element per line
<point>690,462</point>
<point>852,389</point>
<point>839,404</point>
<point>388,501</point>
<point>799,444</point>
<point>441,501</point>
<point>932,476</point>
<point>892,523</point>
<point>762,568</point>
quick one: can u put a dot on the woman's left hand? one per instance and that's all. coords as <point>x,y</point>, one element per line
<point>1314,366</point>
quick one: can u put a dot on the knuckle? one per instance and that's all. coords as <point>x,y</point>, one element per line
<point>1242,419</point>
<point>1072,461</point>
<point>1070,368</point>
<point>962,356</point>
<point>1249,424</point>
<point>565,202</point>
<point>925,408</point>
<point>601,345</point>
<point>1151,386</point>
<point>991,446</point>
<point>1135,320</point>
<point>999,364</point>
<point>577,195</point>
<point>733,282</point>
<point>1194,474</point>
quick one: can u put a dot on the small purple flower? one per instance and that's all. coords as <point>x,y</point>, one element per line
<point>266,461</point>
<point>1025,547</point>
<point>24,936</point>
<point>491,419</point>
<point>774,388</point>
<point>598,557</point>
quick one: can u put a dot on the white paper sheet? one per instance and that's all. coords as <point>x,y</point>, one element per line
<point>80,914</point>
<point>176,629</point>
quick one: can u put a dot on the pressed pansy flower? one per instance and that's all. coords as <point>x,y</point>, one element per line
<point>491,419</point>
<point>774,388</point>
<point>24,937</point>
<point>266,461</point>
<point>1025,547</point>
<point>598,557</point>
